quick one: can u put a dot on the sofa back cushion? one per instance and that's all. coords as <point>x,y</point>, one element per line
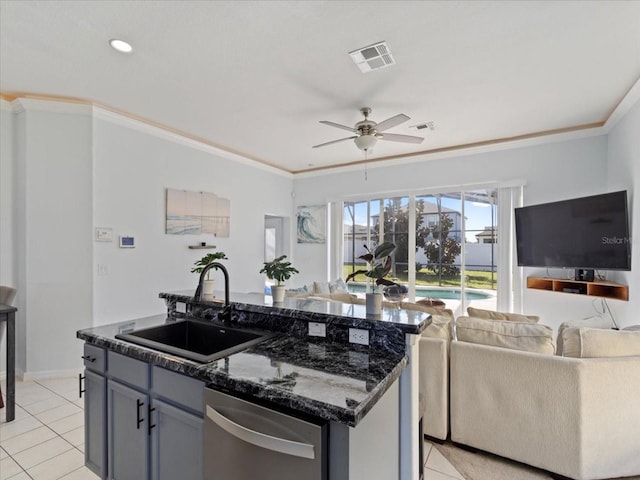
<point>591,322</point>
<point>587,342</point>
<point>439,327</point>
<point>529,337</point>
<point>510,317</point>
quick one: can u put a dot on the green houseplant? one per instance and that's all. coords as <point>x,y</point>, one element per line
<point>279,270</point>
<point>207,288</point>
<point>378,266</point>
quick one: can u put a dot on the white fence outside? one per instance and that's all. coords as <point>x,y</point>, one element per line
<point>479,256</point>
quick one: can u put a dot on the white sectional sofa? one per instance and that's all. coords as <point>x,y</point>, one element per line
<point>576,417</point>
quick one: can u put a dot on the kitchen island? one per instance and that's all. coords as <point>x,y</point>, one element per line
<point>353,388</point>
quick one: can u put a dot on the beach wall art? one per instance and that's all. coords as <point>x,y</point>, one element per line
<point>194,213</point>
<point>312,224</point>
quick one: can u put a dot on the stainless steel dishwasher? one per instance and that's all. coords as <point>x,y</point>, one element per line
<point>243,440</point>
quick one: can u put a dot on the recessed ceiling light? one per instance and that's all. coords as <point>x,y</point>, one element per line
<point>120,46</point>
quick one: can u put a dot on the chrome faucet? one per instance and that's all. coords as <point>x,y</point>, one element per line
<point>198,296</point>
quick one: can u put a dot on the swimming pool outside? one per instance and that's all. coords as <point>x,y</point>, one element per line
<point>444,293</point>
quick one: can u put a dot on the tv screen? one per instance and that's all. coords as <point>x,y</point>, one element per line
<point>581,233</point>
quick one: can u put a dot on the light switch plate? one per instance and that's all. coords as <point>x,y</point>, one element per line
<point>104,234</point>
<point>317,329</point>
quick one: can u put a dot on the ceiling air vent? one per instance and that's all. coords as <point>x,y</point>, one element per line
<point>373,57</point>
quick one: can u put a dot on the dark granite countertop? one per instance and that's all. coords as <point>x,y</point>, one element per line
<point>345,314</point>
<point>335,381</point>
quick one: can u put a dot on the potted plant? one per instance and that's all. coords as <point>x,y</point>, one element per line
<point>207,287</point>
<point>379,266</point>
<point>279,270</point>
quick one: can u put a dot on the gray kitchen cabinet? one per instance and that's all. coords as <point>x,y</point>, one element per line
<point>141,422</point>
<point>127,417</point>
<point>176,443</point>
<point>95,410</point>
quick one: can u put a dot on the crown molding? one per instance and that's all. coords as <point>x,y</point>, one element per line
<point>542,138</point>
<point>18,103</point>
<point>52,106</point>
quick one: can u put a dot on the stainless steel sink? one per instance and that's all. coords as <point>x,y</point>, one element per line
<point>196,340</point>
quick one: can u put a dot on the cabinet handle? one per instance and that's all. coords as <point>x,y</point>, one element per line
<point>80,389</point>
<point>89,358</point>
<point>150,425</point>
<point>140,420</point>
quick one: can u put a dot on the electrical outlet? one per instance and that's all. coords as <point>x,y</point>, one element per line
<point>317,329</point>
<point>359,336</point>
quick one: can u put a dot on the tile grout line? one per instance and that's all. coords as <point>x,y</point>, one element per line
<point>67,401</point>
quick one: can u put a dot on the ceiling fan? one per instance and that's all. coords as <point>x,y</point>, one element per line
<point>369,132</point>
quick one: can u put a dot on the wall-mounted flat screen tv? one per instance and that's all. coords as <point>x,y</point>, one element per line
<point>581,233</point>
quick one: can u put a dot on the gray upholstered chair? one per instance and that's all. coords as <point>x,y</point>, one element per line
<point>7,294</point>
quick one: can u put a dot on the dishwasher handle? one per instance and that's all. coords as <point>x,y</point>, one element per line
<point>288,447</point>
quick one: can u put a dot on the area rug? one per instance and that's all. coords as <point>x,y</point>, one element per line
<point>485,466</point>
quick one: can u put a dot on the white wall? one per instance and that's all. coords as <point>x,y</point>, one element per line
<point>132,169</point>
<point>623,174</point>
<point>66,169</point>
<point>552,171</point>
<point>53,250</point>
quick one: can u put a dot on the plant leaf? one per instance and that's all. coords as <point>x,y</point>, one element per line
<point>357,272</point>
<point>384,250</point>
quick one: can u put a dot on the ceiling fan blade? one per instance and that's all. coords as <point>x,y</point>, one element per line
<point>337,125</point>
<point>394,137</point>
<point>391,122</point>
<point>334,141</point>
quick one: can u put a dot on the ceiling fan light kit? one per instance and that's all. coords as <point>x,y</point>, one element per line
<point>366,142</point>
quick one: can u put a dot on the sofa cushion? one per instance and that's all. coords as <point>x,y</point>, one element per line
<point>584,342</point>
<point>591,322</point>
<point>510,317</point>
<point>498,333</point>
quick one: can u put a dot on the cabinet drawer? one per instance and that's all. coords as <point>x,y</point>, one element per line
<point>129,370</point>
<point>178,388</point>
<point>94,358</point>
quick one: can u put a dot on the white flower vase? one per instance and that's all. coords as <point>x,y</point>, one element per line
<point>374,303</point>
<point>207,288</point>
<point>277,292</point>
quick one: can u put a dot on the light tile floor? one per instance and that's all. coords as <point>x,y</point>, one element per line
<point>46,440</point>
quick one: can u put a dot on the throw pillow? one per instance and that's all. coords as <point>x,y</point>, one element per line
<point>338,285</point>
<point>592,322</point>
<point>529,337</point>
<point>510,317</point>
<point>321,288</point>
<point>587,342</point>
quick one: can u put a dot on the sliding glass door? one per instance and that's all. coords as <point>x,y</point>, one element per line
<point>445,244</point>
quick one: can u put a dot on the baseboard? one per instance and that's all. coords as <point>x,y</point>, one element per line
<point>45,375</point>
